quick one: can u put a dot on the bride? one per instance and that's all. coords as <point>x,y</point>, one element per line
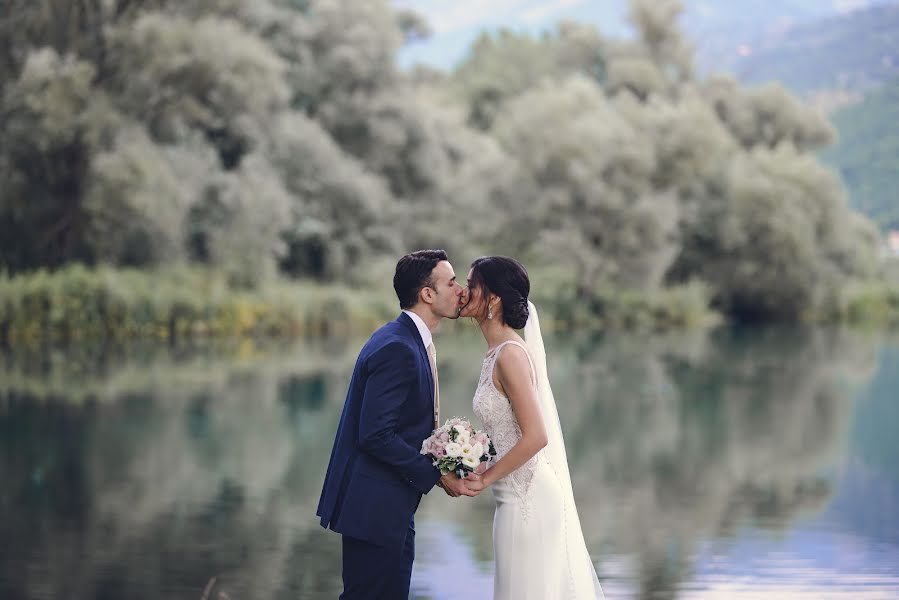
<point>539,547</point>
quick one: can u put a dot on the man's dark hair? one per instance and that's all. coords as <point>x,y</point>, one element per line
<point>413,272</point>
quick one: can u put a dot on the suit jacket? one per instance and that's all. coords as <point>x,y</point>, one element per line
<point>377,475</point>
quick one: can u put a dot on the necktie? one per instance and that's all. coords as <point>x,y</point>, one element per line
<point>432,358</point>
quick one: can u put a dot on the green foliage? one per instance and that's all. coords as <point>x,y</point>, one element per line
<point>781,241</point>
<point>601,207</point>
<point>873,305</point>
<point>337,206</point>
<point>674,307</point>
<point>53,122</point>
<point>298,148</point>
<point>767,116</point>
<point>506,64</point>
<point>79,303</point>
<point>174,75</point>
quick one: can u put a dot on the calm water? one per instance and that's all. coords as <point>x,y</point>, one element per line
<point>731,464</point>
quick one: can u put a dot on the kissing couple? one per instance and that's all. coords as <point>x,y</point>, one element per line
<point>377,475</point>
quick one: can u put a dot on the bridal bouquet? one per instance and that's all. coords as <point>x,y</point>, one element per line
<point>458,448</point>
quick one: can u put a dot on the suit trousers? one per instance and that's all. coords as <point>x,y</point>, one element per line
<point>372,572</point>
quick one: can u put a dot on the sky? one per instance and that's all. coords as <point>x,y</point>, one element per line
<point>456,23</point>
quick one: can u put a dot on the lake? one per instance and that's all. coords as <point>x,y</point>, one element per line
<point>735,463</point>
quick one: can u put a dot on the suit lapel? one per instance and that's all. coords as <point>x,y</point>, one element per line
<point>422,351</point>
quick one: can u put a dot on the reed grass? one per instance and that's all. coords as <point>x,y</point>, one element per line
<point>78,303</point>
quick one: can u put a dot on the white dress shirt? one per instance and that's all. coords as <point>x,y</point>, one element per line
<point>423,330</point>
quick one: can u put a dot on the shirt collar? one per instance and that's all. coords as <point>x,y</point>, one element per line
<point>423,330</point>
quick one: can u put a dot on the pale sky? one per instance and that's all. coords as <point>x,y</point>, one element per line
<point>457,22</point>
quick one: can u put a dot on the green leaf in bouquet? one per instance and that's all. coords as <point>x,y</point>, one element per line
<point>447,465</point>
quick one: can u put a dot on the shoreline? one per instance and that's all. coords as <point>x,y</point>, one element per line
<point>178,303</point>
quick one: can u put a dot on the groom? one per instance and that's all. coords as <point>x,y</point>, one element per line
<point>376,476</point>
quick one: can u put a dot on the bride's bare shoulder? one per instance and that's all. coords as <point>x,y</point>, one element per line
<point>513,366</point>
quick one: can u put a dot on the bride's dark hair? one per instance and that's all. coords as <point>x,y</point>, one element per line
<point>508,279</point>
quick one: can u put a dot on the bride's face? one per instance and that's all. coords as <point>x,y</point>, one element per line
<point>473,303</point>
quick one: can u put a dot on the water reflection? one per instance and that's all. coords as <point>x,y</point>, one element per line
<point>142,472</point>
<point>701,437</point>
<point>166,469</point>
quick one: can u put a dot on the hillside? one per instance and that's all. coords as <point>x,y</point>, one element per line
<point>867,155</point>
<point>705,19</point>
<point>833,61</point>
<point>855,52</point>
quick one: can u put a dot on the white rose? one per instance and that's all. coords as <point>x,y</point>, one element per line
<point>471,461</point>
<point>467,450</point>
<point>453,450</point>
<point>477,450</point>
<point>462,435</point>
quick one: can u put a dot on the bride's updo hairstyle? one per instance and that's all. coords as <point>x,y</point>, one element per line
<point>508,279</point>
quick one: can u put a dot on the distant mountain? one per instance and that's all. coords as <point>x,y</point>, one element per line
<point>745,17</point>
<point>854,52</point>
<point>867,155</point>
<point>850,58</point>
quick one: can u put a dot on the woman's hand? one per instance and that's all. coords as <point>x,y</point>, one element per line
<point>475,483</point>
<point>456,487</point>
<point>481,468</point>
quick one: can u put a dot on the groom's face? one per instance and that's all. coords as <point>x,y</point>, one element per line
<point>446,298</point>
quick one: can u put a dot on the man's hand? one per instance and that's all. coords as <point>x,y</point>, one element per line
<point>474,483</point>
<point>449,492</point>
<point>456,487</point>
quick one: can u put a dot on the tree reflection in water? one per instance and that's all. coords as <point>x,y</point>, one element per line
<point>690,439</point>
<point>144,472</point>
<point>148,476</point>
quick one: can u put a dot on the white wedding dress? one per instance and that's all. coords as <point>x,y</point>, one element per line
<point>538,545</point>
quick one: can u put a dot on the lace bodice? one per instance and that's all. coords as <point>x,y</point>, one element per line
<point>495,412</point>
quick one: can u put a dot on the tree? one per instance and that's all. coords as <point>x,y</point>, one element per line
<point>594,171</point>
<point>501,66</point>
<point>52,122</point>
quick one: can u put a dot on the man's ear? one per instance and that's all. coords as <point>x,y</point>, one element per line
<point>426,295</point>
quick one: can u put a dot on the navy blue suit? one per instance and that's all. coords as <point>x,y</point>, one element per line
<point>376,475</point>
